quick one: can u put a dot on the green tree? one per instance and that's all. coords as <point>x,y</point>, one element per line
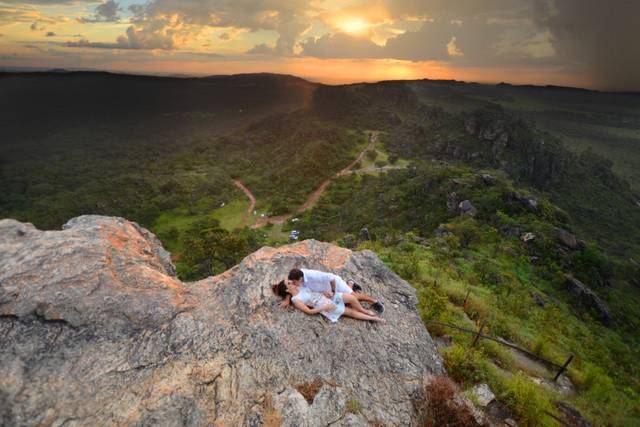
<point>209,249</point>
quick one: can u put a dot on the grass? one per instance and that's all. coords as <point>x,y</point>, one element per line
<point>602,364</point>
<point>276,234</point>
<point>230,216</point>
<point>353,406</point>
<point>368,164</point>
<point>171,224</point>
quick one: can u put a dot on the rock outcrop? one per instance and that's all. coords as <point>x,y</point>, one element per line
<point>589,299</point>
<point>95,329</point>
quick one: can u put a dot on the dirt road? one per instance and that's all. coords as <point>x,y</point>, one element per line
<point>252,200</point>
<point>313,197</point>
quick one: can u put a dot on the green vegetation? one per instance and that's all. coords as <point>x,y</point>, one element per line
<point>485,257</point>
<point>213,250</point>
<point>353,406</point>
<point>607,123</point>
<point>542,215</point>
<point>230,215</point>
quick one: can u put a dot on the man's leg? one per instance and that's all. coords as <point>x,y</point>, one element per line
<point>341,286</point>
<point>363,297</point>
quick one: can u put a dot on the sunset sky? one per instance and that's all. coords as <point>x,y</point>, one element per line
<point>585,43</point>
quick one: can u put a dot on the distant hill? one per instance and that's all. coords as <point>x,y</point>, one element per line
<point>35,105</point>
<point>607,123</point>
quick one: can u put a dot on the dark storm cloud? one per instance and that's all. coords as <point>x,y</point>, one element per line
<point>96,45</point>
<point>447,9</point>
<point>341,45</point>
<point>601,36</point>
<point>473,40</point>
<point>469,32</point>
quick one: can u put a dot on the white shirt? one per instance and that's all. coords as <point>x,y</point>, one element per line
<point>318,281</point>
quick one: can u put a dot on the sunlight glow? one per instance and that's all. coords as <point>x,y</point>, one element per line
<point>354,26</point>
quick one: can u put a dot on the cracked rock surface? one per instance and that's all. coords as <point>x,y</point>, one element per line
<point>95,329</point>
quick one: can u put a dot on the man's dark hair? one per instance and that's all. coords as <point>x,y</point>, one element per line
<point>295,274</point>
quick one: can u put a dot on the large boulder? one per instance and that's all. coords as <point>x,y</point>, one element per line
<point>95,329</point>
<point>466,208</point>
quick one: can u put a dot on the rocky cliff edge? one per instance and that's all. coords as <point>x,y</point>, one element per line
<point>95,329</point>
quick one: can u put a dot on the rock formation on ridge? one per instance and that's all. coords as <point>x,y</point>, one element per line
<point>95,329</point>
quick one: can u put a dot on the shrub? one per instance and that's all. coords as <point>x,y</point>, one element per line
<point>465,365</point>
<point>456,296</point>
<point>170,235</point>
<point>432,302</point>
<point>442,407</point>
<point>539,345</point>
<point>527,400</point>
<point>467,230</point>
<point>487,272</point>
<point>310,390</point>
<point>408,267</point>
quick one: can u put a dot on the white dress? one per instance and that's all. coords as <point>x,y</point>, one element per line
<point>314,299</point>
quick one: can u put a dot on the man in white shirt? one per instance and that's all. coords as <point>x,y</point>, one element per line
<point>328,284</point>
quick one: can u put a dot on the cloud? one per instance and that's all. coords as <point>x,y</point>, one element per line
<point>36,26</point>
<point>170,24</point>
<point>47,2</point>
<point>105,12</point>
<point>98,45</point>
<point>22,14</point>
<point>341,45</point>
<point>601,37</point>
<point>487,34</point>
<point>156,34</point>
<point>50,34</point>
<point>448,10</point>
<point>434,41</point>
<point>261,49</point>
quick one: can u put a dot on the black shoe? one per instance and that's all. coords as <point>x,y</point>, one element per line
<point>377,306</point>
<point>356,287</point>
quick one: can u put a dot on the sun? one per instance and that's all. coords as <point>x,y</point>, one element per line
<point>354,25</point>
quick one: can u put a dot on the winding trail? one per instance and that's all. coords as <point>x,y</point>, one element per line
<point>252,200</point>
<point>313,197</point>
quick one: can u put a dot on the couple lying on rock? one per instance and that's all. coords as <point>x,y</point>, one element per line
<point>313,292</point>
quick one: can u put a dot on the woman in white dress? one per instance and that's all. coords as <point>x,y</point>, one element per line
<point>314,303</point>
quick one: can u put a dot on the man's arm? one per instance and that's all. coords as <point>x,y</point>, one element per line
<point>332,284</point>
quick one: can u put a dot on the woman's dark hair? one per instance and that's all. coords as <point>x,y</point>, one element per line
<point>280,289</point>
<point>295,274</point>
